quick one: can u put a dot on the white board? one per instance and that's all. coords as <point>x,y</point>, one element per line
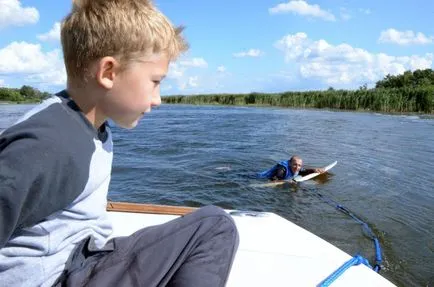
<point>312,175</point>
<point>297,179</point>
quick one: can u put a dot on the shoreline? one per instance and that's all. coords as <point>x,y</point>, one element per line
<point>17,103</point>
<point>421,115</point>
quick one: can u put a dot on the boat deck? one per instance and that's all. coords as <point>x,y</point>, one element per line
<point>272,252</point>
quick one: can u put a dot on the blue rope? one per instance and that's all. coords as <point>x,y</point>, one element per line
<point>367,230</point>
<point>356,260</point>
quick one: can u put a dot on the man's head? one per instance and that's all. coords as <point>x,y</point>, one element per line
<point>119,51</point>
<point>295,164</point>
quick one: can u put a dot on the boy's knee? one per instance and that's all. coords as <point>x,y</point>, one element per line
<point>225,220</point>
<point>214,211</point>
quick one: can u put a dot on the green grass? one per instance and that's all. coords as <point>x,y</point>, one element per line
<point>398,100</point>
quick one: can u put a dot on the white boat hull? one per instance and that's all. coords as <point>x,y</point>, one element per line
<point>272,252</point>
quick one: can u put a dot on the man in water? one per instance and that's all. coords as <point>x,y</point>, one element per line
<point>289,169</point>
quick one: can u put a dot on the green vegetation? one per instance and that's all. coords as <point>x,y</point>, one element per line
<point>407,93</point>
<point>25,94</point>
<point>418,78</point>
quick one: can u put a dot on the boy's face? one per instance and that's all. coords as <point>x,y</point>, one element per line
<point>135,90</point>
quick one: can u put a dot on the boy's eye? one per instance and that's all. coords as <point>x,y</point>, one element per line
<point>156,82</point>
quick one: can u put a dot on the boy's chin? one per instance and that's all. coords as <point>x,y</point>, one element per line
<point>127,125</point>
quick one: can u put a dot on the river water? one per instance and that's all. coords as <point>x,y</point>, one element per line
<point>198,155</point>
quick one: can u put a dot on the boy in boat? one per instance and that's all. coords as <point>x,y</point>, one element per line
<point>55,166</point>
<point>288,169</point>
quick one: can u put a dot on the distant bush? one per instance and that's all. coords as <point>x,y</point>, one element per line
<point>410,92</point>
<point>418,78</point>
<point>24,94</point>
<point>381,100</point>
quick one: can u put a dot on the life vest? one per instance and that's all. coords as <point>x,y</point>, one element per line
<point>268,173</point>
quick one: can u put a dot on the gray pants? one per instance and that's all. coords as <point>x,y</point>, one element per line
<point>196,250</point>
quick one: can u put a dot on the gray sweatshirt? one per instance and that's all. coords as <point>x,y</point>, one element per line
<point>54,176</point>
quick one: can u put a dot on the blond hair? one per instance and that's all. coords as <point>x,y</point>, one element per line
<point>124,29</point>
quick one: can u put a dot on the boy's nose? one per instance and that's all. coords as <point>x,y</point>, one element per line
<point>156,100</point>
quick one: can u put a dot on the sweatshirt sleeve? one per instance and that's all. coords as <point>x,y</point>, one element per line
<point>32,173</point>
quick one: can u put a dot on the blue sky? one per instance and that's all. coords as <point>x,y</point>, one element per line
<point>240,46</point>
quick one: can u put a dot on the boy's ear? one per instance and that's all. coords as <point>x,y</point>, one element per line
<point>107,68</point>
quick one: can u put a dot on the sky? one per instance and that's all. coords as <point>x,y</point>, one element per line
<point>243,46</point>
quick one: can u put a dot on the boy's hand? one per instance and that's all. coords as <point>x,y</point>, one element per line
<point>319,170</point>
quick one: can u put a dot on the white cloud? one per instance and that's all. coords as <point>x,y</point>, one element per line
<point>52,35</point>
<point>249,53</point>
<point>166,87</point>
<point>195,62</point>
<point>342,64</point>
<point>404,37</point>
<point>365,11</point>
<point>284,75</point>
<point>179,75</point>
<point>175,71</point>
<point>35,65</point>
<point>182,86</point>
<point>2,82</point>
<point>221,69</point>
<point>292,45</point>
<point>345,14</point>
<point>186,80</point>
<point>302,8</point>
<point>12,14</point>
<point>192,82</point>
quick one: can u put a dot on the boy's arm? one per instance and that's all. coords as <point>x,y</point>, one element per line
<point>32,174</point>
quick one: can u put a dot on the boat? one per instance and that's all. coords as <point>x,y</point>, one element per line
<point>272,251</point>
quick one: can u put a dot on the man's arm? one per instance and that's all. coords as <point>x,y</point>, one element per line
<point>279,173</point>
<point>306,171</point>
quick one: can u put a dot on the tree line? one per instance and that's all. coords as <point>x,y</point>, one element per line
<point>25,94</point>
<point>409,92</point>
<point>405,93</point>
